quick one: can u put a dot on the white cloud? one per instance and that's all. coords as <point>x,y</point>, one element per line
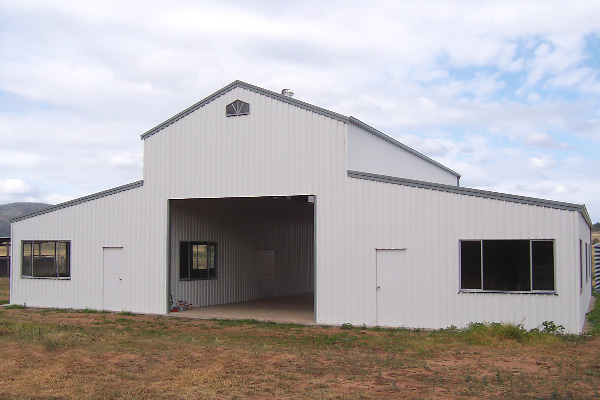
<point>535,162</point>
<point>14,186</point>
<point>544,140</point>
<point>477,85</point>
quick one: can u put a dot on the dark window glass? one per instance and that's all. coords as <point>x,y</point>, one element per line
<point>197,260</point>
<point>63,262</point>
<point>237,108</point>
<point>26,261</point>
<point>587,264</point>
<point>580,264</point>
<point>44,260</point>
<point>212,263</point>
<point>47,259</point>
<point>184,260</point>
<point>470,267</point>
<point>506,265</point>
<point>542,265</point>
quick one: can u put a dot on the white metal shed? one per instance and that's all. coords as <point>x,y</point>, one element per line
<point>250,193</point>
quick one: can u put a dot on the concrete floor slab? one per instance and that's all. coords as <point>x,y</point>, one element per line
<point>297,309</point>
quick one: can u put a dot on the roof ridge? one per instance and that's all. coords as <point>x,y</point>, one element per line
<point>294,102</point>
<point>248,86</point>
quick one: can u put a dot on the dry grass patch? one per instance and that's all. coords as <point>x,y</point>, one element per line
<point>52,353</point>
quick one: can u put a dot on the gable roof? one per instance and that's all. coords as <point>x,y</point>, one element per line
<point>294,102</point>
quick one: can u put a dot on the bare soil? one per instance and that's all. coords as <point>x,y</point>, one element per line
<point>55,354</point>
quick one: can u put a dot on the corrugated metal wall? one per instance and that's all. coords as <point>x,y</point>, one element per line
<point>120,220</point>
<point>240,227</point>
<point>429,225</point>
<point>597,265</point>
<point>370,153</point>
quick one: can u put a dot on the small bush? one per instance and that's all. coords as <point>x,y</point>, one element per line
<point>14,306</point>
<point>480,333</point>
<point>550,328</point>
<point>347,326</point>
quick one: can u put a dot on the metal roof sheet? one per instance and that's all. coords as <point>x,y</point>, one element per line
<point>474,192</point>
<point>80,200</point>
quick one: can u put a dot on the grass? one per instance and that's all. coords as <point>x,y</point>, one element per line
<point>594,317</point>
<point>89,354</point>
<point>56,353</point>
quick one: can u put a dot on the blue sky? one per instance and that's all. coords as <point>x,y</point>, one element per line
<point>507,93</point>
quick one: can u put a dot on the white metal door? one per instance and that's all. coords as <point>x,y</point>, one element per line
<point>265,269</point>
<point>113,273</point>
<point>391,287</point>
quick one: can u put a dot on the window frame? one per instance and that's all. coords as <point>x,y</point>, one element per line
<point>239,107</point>
<point>5,243</point>
<point>580,266</point>
<point>57,243</point>
<point>531,284</point>
<point>587,264</point>
<point>190,263</point>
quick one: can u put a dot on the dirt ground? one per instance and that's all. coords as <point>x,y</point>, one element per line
<point>55,354</point>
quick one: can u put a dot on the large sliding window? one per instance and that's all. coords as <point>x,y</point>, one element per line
<point>197,260</point>
<point>46,259</point>
<point>507,265</point>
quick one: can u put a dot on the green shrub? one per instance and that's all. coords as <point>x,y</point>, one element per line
<point>14,306</point>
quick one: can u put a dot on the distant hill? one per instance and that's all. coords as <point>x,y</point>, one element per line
<point>13,210</point>
<point>596,227</point>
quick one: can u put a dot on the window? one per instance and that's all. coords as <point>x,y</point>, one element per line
<point>4,248</point>
<point>197,260</point>
<point>507,265</point>
<point>581,265</point>
<point>237,108</point>
<point>46,259</point>
<point>587,264</point>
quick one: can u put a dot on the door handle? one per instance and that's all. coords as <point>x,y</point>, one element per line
<point>378,287</point>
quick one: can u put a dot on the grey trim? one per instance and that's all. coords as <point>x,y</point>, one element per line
<point>80,200</point>
<point>393,141</point>
<point>550,292</point>
<point>473,192</point>
<point>247,86</point>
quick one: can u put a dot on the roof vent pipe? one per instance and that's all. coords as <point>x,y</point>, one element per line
<point>287,92</point>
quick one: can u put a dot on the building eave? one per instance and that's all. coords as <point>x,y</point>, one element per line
<point>80,200</point>
<point>532,201</point>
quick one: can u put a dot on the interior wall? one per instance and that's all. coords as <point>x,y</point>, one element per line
<point>241,227</point>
